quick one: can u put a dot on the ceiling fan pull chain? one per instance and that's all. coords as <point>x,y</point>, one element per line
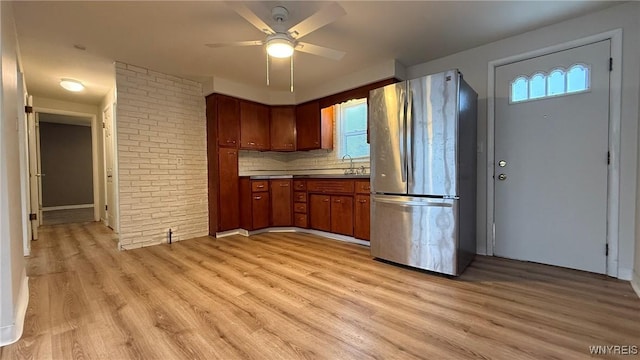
<point>267,68</point>
<point>291,72</point>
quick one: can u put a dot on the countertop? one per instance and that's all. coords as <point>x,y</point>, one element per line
<point>318,176</point>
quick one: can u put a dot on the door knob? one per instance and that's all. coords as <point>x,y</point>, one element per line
<point>502,177</point>
<point>502,163</point>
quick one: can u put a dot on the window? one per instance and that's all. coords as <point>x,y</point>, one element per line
<point>351,125</point>
<point>558,82</point>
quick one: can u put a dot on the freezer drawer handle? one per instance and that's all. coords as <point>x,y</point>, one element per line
<point>413,203</point>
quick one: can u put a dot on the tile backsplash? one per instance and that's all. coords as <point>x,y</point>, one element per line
<point>295,163</point>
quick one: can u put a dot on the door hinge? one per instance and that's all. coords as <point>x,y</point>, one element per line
<point>610,64</point>
<point>28,109</point>
<point>606,250</point>
<point>104,125</point>
<point>33,217</point>
<point>106,207</point>
<point>608,157</point>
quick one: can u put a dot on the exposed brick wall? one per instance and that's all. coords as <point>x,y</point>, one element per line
<point>162,159</point>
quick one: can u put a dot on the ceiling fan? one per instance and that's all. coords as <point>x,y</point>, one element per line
<point>282,42</point>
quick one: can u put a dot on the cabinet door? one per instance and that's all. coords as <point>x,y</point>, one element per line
<point>362,216</point>
<point>260,210</point>
<point>228,205</point>
<point>342,215</point>
<point>281,203</point>
<point>320,212</point>
<point>254,126</point>
<point>283,128</point>
<point>228,116</point>
<point>308,126</point>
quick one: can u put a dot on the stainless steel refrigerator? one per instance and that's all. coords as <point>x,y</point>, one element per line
<point>423,172</point>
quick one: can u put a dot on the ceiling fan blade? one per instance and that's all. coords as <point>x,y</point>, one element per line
<point>236,43</point>
<point>320,51</point>
<point>324,16</point>
<point>250,16</point>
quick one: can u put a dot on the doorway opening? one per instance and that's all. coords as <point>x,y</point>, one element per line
<point>67,176</point>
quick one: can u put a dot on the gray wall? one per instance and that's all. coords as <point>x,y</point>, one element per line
<point>65,156</point>
<point>473,63</point>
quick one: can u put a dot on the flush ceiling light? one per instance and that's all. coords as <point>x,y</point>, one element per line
<point>280,46</point>
<point>71,85</point>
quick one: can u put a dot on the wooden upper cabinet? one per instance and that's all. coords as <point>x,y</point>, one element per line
<point>314,128</point>
<point>283,128</point>
<point>254,126</point>
<point>228,118</point>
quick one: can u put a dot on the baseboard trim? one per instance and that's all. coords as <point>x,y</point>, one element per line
<point>67,207</point>
<point>12,333</point>
<point>635,283</point>
<point>625,274</point>
<point>344,238</point>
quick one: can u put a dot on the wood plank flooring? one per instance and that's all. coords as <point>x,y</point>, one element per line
<point>296,296</point>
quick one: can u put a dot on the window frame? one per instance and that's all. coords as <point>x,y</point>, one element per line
<point>341,134</point>
<point>546,75</point>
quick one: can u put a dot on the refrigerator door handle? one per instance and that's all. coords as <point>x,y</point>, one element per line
<point>409,131</point>
<point>403,144</point>
<point>410,203</point>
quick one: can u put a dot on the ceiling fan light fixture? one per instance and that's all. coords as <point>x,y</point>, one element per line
<point>280,47</point>
<point>71,85</point>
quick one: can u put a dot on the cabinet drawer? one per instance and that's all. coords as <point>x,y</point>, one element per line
<point>300,197</point>
<point>300,220</point>
<point>259,185</point>
<point>299,185</point>
<point>300,207</point>
<point>330,186</point>
<point>363,187</point>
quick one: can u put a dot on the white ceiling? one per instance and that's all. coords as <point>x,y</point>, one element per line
<point>169,36</point>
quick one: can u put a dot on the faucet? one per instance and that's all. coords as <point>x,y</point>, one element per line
<point>350,170</point>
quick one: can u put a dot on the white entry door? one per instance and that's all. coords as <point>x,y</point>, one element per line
<point>551,158</point>
<point>109,167</point>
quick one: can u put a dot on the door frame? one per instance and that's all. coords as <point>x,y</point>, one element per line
<point>615,96</point>
<point>95,162</point>
<point>115,173</point>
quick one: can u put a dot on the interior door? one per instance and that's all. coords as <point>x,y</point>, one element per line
<point>551,150</point>
<point>109,167</point>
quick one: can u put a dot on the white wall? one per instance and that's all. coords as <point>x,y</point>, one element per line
<point>13,280</point>
<point>636,268</point>
<point>381,71</point>
<point>473,64</point>
<point>162,157</point>
<point>108,100</point>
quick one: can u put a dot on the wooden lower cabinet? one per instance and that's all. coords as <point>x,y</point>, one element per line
<point>342,215</point>
<point>362,217</point>
<point>320,212</point>
<point>260,209</point>
<point>229,209</point>
<point>254,204</point>
<point>281,201</point>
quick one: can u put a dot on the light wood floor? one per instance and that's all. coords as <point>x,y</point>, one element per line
<point>54,217</point>
<point>291,296</point>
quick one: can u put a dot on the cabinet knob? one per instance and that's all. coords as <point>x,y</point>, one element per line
<point>260,186</point>
<point>251,143</point>
<point>325,200</point>
<point>316,143</point>
<point>257,197</point>
<point>284,185</point>
<point>362,201</point>
<point>338,201</point>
